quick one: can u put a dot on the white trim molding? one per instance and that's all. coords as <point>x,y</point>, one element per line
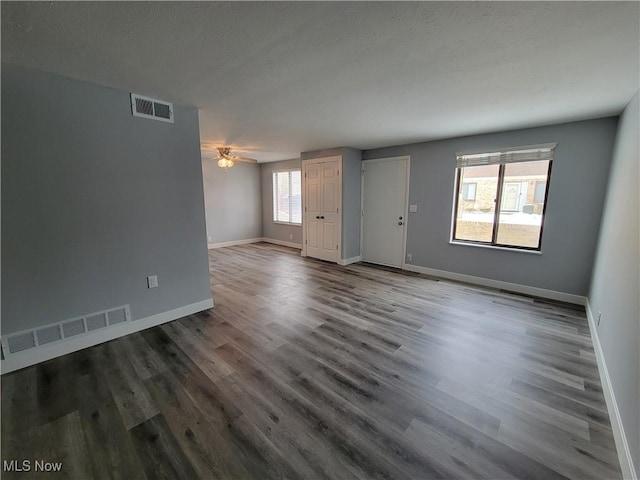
<point>622,446</point>
<point>487,282</point>
<point>349,261</point>
<point>254,240</point>
<point>234,242</point>
<point>19,360</point>
<point>282,242</point>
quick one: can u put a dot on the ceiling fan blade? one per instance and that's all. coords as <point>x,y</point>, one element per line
<point>222,153</point>
<point>244,159</point>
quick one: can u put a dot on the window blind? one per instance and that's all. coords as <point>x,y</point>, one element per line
<point>528,154</point>
<point>287,206</point>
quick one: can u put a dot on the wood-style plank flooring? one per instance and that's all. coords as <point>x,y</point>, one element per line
<point>309,370</point>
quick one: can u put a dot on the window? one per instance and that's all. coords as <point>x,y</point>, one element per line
<point>469,191</point>
<point>287,198</point>
<point>501,197</point>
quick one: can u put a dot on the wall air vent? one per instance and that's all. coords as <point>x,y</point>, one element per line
<point>151,108</point>
<point>60,331</point>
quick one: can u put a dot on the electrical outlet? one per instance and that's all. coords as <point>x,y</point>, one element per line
<point>413,208</point>
<point>409,257</point>
<point>152,281</point>
<point>291,236</point>
<point>210,238</point>
<point>599,317</point>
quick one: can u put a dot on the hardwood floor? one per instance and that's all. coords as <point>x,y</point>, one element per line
<point>310,370</point>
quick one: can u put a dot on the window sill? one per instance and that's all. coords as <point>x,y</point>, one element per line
<point>288,223</point>
<point>492,247</point>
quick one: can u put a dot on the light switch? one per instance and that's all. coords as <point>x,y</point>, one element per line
<point>413,208</point>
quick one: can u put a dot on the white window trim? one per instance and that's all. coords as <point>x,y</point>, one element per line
<point>457,183</point>
<point>273,193</point>
<point>495,247</point>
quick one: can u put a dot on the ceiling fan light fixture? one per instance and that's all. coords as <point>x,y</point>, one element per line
<point>225,163</point>
<point>226,160</point>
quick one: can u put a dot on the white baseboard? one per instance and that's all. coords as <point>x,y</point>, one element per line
<point>281,242</point>
<point>253,240</point>
<point>487,282</point>
<point>19,360</point>
<point>349,261</point>
<point>622,446</point>
<point>233,242</point>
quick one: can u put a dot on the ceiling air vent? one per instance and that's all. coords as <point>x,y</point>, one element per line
<point>151,108</point>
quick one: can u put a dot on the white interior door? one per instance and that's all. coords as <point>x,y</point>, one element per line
<point>322,202</point>
<point>384,211</point>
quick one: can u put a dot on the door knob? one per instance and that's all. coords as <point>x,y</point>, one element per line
<point>399,218</point>
<point>322,217</point>
<point>399,223</point>
<point>317,217</point>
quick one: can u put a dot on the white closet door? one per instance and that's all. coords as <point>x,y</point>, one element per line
<point>322,202</point>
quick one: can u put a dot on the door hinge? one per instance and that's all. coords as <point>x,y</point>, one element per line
<point>305,242</point>
<point>336,247</point>
<point>337,210</point>
<point>305,209</point>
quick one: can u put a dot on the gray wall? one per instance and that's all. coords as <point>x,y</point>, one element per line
<point>277,231</point>
<point>232,201</point>
<point>351,202</point>
<point>93,201</point>
<point>351,182</point>
<point>576,194</point>
<point>615,286</point>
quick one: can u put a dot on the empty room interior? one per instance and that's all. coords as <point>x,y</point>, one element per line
<point>320,240</point>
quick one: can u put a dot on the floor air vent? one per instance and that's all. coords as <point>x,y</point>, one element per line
<point>20,342</point>
<point>150,108</point>
<point>94,322</point>
<point>49,334</point>
<point>58,332</point>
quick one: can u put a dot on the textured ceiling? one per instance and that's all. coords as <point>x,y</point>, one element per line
<point>275,79</point>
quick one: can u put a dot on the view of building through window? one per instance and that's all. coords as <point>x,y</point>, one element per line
<point>520,190</point>
<point>287,197</point>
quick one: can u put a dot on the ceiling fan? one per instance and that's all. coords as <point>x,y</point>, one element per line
<point>226,160</point>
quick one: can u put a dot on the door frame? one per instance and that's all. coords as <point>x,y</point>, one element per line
<point>406,204</point>
<point>312,161</point>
